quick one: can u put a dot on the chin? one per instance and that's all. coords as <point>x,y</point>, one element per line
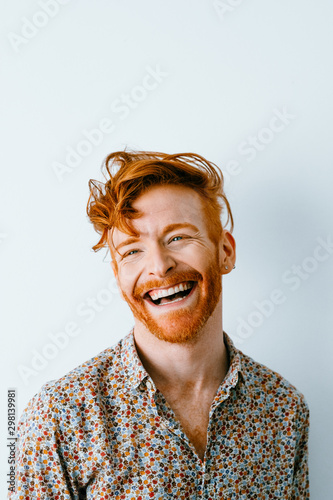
<point>175,336</point>
<point>179,327</point>
<point>183,324</point>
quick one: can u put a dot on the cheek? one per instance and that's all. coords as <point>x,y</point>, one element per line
<point>128,276</point>
<point>199,257</point>
<point>125,282</point>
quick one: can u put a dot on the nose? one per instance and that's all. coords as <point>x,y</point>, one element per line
<point>160,262</point>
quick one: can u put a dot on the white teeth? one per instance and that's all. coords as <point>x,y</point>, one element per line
<point>158,294</point>
<point>172,301</point>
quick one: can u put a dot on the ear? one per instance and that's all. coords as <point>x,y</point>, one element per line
<point>227,252</point>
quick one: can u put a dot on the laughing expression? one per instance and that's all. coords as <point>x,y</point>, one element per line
<point>170,275</point>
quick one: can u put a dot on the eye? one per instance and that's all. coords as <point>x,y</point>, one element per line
<point>129,253</point>
<point>176,238</point>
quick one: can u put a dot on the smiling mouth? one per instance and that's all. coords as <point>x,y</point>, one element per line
<point>170,295</point>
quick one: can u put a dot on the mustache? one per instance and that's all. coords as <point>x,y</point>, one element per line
<point>176,278</point>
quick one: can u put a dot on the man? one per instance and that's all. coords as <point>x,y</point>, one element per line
<point>174,409</point>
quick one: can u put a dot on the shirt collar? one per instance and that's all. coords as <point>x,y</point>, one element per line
<point>136,372</point>
<point>236,366</point>
<point>134,369</point>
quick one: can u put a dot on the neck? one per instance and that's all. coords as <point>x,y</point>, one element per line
<point>201,364</point>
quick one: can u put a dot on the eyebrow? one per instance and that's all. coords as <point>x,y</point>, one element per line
<point>167,229</point>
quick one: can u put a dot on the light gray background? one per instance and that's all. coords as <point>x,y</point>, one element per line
<point>222,72</point>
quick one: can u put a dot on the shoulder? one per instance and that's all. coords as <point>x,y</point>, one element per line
<point>106,364</point>
<point>271,386</point>
<point>85,384</point>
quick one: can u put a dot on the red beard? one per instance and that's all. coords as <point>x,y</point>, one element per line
<point>185,323</point>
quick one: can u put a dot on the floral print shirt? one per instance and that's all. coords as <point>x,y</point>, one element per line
<point>104,431</point>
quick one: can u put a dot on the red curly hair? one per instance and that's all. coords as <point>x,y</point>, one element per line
<point>130,173</point>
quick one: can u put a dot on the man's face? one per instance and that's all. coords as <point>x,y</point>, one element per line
<point>170,275</point>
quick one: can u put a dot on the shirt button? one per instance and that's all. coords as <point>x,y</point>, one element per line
<point>149,385</point>
<point>207,476</point>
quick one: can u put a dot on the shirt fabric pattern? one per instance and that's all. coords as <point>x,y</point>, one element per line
<point>103,431</point>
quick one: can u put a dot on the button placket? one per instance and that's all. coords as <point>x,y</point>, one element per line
<point>207,476</point>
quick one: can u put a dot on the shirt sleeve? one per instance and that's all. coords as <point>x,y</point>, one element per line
<point>41,471</point>
<point>301,488</point>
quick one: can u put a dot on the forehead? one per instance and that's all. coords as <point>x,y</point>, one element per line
<point>169,201</point>
<point>163,205</point>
